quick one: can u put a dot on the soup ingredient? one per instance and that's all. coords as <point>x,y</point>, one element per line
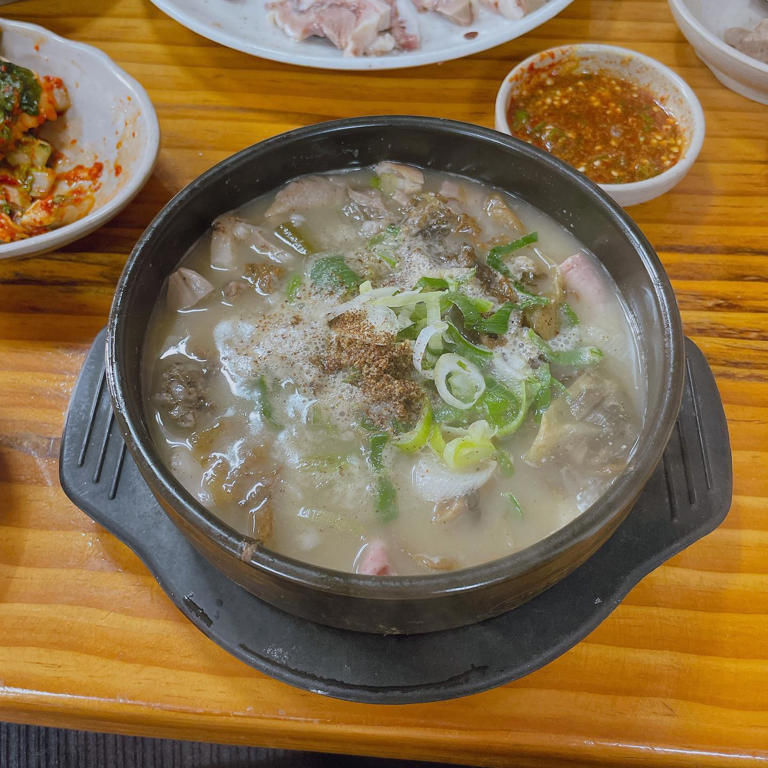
<point>186,287</point>
<point>392,371</point>
<point>35,196</point>
<point>612,129</point>
<point>376,27</point>
<point>752,42</point>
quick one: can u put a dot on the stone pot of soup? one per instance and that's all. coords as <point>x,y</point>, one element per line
<point>395,374</point>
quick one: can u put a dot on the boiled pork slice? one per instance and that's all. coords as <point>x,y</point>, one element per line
<point>513,9</point>
<point>357,27</point>
<point>458,11</point>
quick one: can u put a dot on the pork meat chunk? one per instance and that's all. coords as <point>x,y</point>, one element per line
<point>231,234</point>
<point>589,428</point>
<point>353,26</point>
<point>458,11</point>
<point>752,42</point>
<point>186,288</point>
<point>308,192</point>
<point>513,9</point>
<point>183,393</point>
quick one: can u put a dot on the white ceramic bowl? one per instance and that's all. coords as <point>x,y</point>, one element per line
<point>668,88</point>
<point>111,120</point>
<point>703,22</point>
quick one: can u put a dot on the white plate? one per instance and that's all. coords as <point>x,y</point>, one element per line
<point>243,25</point>
<point>111,119</point>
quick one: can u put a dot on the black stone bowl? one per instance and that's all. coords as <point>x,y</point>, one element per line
<point>400,604</point>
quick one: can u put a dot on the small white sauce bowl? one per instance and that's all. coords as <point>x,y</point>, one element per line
<point>668,88</point>
<point>111,120</point>
<point>703,22</point>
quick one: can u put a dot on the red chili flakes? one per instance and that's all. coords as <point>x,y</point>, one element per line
<point>118,169</point>
<point>609,128</point>
<point>82,173</point>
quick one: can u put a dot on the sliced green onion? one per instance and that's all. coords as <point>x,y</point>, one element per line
<point>332,272</point>
<point>435,439</point>
<point>504,408</point>
<point>376,444</point>
<point>569,316</point>
<point>453,372</point>
<point>495,255</point>
<point>386,500</point>
<point>432,283</point>
<point>411,299</point>
<point>292,288</point>
<point>471,308</point>
<point>504,461</point>
<point>402,299</point>
<point>514,503</point>
<point>471,449</point>
<point>521,117</point>
<point>420,347</point>
<point>410,332</point>
<point>541,384</point>
<point>434,310</point>
<point>515,245</point>
<point>579,357</point>
<point>498,322</point>
<point>264,403</point>
<point>387,259</point>
<point>496,262</point>
<point>528,299</point>
<point>384,239</point>
<point>386,494</point>
<point>478,355</point>
<point>417,437</point>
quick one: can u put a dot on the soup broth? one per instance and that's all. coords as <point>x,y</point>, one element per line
<point>392,371</point>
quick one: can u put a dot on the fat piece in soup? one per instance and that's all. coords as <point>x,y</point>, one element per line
<point>392,371</point>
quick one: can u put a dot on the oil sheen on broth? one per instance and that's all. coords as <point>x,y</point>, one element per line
<point>392,371</point>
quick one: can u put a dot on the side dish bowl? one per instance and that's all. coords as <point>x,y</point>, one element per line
<point>703,22</point>
<point>111,120</point>
<point>668,88</point>
<point>400,604</point>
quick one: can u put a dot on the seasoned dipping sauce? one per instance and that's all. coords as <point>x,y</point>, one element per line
<point>609,128</point>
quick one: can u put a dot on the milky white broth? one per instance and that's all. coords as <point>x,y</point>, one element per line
<point>258,403</point>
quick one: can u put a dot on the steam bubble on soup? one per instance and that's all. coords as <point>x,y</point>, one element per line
<point>392,371</point>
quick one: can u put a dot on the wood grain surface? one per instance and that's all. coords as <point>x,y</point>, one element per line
<point>677,676</point>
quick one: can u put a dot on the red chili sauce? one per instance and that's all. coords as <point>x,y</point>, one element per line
<point>611,129</point>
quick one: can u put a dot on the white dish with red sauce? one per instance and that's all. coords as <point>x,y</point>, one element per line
<point>668,90</point>
<point>110,121</point>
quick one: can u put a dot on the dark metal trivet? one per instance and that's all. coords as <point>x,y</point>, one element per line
<point>688,496</point>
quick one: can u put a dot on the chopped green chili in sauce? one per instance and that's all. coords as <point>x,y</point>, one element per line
<point>609,128</point>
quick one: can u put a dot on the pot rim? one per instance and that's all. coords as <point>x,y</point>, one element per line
<point>655,433</point>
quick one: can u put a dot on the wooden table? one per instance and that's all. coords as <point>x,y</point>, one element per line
<point>677,676</point>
